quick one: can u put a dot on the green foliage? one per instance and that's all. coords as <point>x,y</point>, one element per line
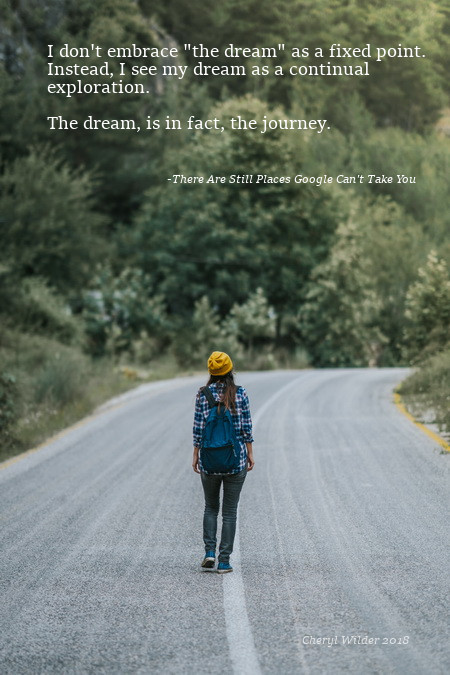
<point>428,389</point>
<point>120,309</point>
<point>258,270</point>
<point>195,340</point>
<point>49,228</point>
<point>119,158</point>
<point>48,375</point>
<point>54,386</point>
<point>399,92</point>
<point>43,310</point>
<point>339,316</point>
<point>428,310</point>
<point>61,379</point>
<point>252,320</point>
<point>406,92</point>
<point>226,240</point>
<point>35,307</point>
<point>8,402</point>
<point>393,247</point>
<point>393,151</point>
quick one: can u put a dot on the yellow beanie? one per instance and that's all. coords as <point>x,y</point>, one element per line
<point>219,363</point>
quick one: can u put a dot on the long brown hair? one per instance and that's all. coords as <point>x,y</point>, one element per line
<point>228,397</point>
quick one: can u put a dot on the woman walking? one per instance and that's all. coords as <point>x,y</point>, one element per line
<point>231,404</point>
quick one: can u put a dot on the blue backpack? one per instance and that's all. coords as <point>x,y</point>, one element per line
<point>219,451</point>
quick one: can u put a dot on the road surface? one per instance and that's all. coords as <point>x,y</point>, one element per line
<point>341,562</point>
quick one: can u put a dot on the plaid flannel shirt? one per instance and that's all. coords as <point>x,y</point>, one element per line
<point>241,419</point>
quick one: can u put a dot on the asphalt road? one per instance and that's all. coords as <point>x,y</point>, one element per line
<point>343,531</point>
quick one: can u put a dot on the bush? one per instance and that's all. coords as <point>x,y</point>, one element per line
<point>253,320</point>
<point>428,310</point>
<point>45,371</point>
<point>8,402</point>
<point>339,317</point>
<point>429,388</point>
<point>120,310</point>
<point>50,228</point>
<point>43,310</point>
<point>195,340</point>
<point>61,380</point>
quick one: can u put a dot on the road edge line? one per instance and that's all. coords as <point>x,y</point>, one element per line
<point>431,434</point>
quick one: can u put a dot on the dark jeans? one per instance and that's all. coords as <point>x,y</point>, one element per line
<point>232,485</point>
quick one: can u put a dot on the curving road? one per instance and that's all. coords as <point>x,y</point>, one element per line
<point>341,560</point>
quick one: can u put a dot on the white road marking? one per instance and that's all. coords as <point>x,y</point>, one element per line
<point>239,632</point>
<point>241,643</point>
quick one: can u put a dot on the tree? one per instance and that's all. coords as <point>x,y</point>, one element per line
<point>49,227</point>
<point>120,157</point>
<point>226,240</point>
<point>428,310</point>
<point>121,309</point>
<point>405,92</point>
<point>338,320</point>
<point>393,247</point>
<point>252,320</point>
<point>202,334</point>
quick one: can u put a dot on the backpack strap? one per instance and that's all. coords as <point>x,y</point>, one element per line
<point>211,400</point>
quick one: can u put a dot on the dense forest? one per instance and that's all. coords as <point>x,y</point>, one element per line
<point>104,266</point>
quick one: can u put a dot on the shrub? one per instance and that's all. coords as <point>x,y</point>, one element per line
<point>195,340</point>
<point>429,388</point>
<point>42,310</point>
<point>50,227</point>
<point>253,320</point>
<point>119,309</point>
<point>339,317</point>
<point>8,401</point>
<point>428,310</point>
<point>61,380</point>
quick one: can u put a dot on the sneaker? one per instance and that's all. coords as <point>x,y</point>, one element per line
<point>209,560</point>
<point>223,567</point>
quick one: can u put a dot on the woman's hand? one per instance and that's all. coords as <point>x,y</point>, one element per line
<point>250,460</point>
<point>195,465</point>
